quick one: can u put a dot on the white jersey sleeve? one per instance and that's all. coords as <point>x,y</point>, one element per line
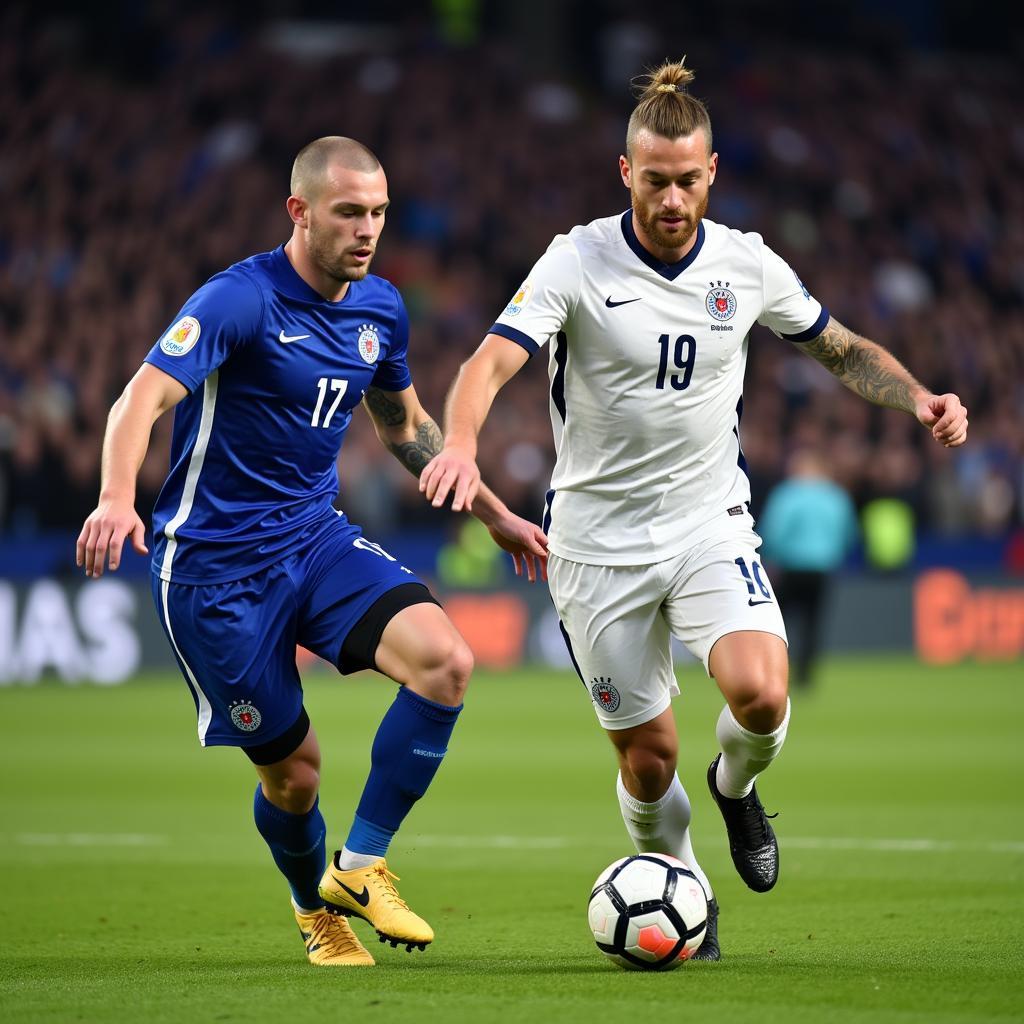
<point>790,311</point>
<point>546,300</point>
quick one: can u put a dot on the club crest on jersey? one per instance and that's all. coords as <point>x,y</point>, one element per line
<point>245,716</point>
<point>721,302</point>
<point>606,697</point>
<point>368,343</point>
<point>182,337</point>
<point>520,299</point>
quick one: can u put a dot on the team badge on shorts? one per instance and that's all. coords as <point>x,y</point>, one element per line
<point>520,299</point>
<point>606,697</point>
<point>721,302</point>
<point>369,343</point>
<point>245,716</point>
<point>182,337</point>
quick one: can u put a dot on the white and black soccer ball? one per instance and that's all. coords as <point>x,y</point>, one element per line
<point>648,912</point>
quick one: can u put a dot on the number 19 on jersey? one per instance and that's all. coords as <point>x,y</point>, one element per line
<point>684,351</point>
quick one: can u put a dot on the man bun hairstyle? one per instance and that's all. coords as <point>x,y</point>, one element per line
<point>665,107</point>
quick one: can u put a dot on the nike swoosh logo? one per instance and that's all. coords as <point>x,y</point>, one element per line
<point>752,604</point>
<point>622,302</point>
<point>286,338</point>
<point>362,898</point>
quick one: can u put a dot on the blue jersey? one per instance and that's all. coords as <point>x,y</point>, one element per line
<point>274,371</point>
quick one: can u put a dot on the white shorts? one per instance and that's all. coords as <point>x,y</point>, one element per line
<point>618,619</point>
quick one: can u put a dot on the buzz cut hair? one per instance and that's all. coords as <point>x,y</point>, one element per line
<point>310,166</point>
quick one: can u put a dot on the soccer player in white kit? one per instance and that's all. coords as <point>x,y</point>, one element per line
<point>649,532</point>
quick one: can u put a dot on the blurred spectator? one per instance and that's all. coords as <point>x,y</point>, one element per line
<point>471,560</point>
<point>808,526</point>
<point>888,534</point>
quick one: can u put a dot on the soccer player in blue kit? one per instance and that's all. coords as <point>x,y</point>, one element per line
<point>263,367</point>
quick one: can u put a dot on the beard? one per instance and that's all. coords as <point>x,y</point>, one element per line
<point>656,233</point>
<point>331,262</point>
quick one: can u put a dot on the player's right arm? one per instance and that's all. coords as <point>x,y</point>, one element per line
<point>149,394</point>
<point>479,379</point>
<point>222,315</point>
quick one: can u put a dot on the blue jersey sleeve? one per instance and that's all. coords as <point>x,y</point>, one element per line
<point>222,315</point>
<point>393,370</point>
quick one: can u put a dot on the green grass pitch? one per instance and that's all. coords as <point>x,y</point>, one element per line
<point>136,888</point>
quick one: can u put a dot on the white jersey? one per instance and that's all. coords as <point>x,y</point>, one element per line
<point>646,381</point>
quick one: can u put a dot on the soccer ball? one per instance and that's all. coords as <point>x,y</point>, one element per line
<point>648,912</point>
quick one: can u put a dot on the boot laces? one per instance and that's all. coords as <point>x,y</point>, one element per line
<point>755,821</point>
<point>388,890</point>
<point>332,934</point>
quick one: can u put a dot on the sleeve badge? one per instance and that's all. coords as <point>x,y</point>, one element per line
<point>520,299</point>
<point>182,337</point>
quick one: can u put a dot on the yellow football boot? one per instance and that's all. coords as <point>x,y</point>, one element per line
<point>330,941</point>
<point>370,893</point>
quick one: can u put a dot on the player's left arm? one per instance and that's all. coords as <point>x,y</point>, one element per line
<point>876,374</point>
<point>408,432</point>
<point>404,427</point>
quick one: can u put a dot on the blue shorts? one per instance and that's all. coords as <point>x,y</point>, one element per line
<point>235,642</point>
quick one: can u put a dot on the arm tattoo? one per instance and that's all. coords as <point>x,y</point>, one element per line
<point>384,409</point>
<point>863,367</point>
<point>414,455</point>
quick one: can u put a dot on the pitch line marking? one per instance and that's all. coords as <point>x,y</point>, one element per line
<point>89,839</point>
<point>509,842</point>
<point>795,843</point>
<point>495,842</point>
<point>900,845</point>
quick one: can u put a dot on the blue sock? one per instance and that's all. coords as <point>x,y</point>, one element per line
<point>407,751</point>
<point>297,844</point>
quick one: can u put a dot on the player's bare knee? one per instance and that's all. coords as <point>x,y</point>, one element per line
<point>295,790</point>
<point>759,704</point>
<point>652,767</point>
<point>455,674</point>
<point>461,668</point>
<point>444,674</point>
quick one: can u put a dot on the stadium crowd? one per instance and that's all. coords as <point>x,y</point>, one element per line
<point>131,172</point>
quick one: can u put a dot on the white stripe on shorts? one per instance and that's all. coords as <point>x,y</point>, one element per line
<point>205,710</point>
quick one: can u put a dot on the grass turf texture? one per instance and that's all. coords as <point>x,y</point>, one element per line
<point>135,886</point>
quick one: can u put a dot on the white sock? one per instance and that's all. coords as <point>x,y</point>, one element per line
<point>663,826</point>
<point>304,910</point>
<point>745,754</point>
<point>347,860</point>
